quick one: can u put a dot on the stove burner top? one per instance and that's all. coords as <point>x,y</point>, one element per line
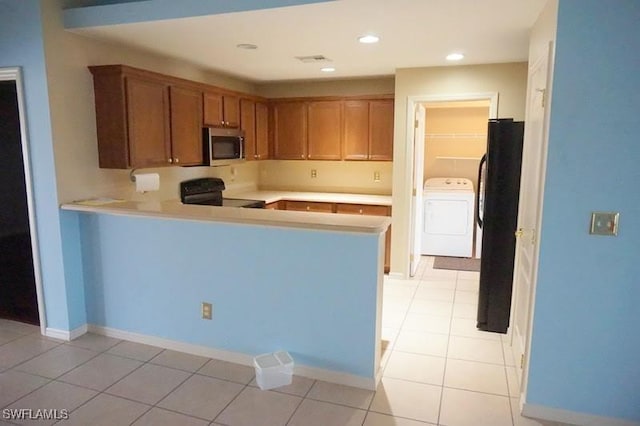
<point>208,191</point>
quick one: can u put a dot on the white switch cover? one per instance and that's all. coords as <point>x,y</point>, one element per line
<point>604,223</point>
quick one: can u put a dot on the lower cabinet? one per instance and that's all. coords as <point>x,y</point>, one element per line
<point>310,206</point>
<point>366,209</point>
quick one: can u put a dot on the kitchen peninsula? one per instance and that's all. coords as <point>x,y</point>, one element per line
<point>309,283</point>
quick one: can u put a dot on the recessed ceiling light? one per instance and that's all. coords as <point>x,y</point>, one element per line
<point>327,69</point>
<point>455,56</point>
<point>368,39</point>
<point>247,46</point>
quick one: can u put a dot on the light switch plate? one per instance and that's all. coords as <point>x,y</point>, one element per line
<point>604,223</point>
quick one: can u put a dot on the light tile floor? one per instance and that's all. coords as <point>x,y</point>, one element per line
<point>438,369</point>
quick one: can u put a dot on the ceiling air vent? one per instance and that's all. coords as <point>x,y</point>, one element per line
<point>313,59</point>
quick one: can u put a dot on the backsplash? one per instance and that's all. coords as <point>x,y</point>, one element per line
<point>330,176</point>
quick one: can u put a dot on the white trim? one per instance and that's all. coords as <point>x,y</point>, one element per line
<point>572,417</point>
<point>396,275</point>
<point>16,75</point>
<point>66,335</point>
<point>412,100</point>
<point>235,357</point>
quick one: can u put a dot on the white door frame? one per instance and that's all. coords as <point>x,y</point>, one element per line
<point>412,101</point>
<point>14,74</point>
<point>542,174</point>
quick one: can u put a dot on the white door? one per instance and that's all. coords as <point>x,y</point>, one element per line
<point>416,199</point>
<point>530,208</point>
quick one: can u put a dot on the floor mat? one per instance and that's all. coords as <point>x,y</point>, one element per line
<point>456,263</point>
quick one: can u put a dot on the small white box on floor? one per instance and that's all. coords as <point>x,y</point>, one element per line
<point>273,369</point>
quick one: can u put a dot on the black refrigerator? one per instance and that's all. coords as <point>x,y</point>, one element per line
<point>498,191</point>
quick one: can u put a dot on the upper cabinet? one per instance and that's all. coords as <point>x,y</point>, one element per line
<point>381,129</point>
<point>254,122</point>
<point>262,131</point>
<point>317,129</point>
<point>143,120</point>
<point>325,130</point>
<point>368,130</point>
<point>290,130</point>
<point>221,110</point>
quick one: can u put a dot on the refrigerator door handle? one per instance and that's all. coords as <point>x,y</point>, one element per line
<point>482,161</point>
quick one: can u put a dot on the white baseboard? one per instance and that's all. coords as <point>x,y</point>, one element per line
<point>396,275</point>
<point>235,357</point>
<point>572,417</point>
<point>66,335</point>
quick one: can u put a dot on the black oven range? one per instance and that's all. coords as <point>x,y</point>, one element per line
<point>208,191</point>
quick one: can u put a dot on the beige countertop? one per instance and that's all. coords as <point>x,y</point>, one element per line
<point>258,217</point>
<point>325,197</point>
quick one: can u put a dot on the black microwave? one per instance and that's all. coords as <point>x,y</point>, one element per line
<point>223,146</point>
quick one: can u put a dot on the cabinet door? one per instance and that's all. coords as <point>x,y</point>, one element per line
<point>309,206</point>
<point>290,130</point>
<point>325,130</point>
<point>231,111</point>
<point>356,130</point>
<point>262,131</point>
<point>381,130</point>
<point>248,125</point>
<point>186,126</point>
<point>148,122</point>
<point>212,105</point>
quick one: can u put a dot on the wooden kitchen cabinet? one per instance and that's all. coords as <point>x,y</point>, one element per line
<point>325,130</point>
<point>143,120</point>
<point>254,121</point>
<point>276,205</point>
<point>262,131</point>
<point>371,210</point>
<point>186,127</point>
<point>290,130</point>
<point>148,129</point>
<point>248,126</point>
<point>368,130</point>
<point>381,129</point>
<point>310,206</point>
<point>221,110</point>
<point>356,130</point>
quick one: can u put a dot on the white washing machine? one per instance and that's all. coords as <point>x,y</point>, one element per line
<point>448,217</point>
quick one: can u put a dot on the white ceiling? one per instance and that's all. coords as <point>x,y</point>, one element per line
<point>413,33</point>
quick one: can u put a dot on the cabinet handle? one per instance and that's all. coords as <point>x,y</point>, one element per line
<point>308,208</point>
<point>360,211</point>
<point>302,156</point>
<point>170,160</point>
<point>177,160</point>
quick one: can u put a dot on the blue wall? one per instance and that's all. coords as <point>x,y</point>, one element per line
<point>308,292</point>
<point>110,12</point>
<point>586,340</point>
<point>21,45</point>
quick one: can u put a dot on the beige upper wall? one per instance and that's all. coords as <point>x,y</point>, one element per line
<point>508,80</point>
<point>73,113</point>
<point>352,87</point>
<point>455,140</point>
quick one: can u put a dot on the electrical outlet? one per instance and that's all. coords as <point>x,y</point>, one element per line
<point>314,173</point>
<point>207,310</point>
<point>376,176</point>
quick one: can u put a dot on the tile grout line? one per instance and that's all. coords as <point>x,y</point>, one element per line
<point>446,357</point>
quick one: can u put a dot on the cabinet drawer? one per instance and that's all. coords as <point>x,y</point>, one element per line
<point>310,206</point>
<point>276,205</point>
<point>364,209</point>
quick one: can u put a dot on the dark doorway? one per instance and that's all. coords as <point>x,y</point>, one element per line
<point>18,299</point>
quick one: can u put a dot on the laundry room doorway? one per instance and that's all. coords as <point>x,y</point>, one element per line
<point>454,142</point>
